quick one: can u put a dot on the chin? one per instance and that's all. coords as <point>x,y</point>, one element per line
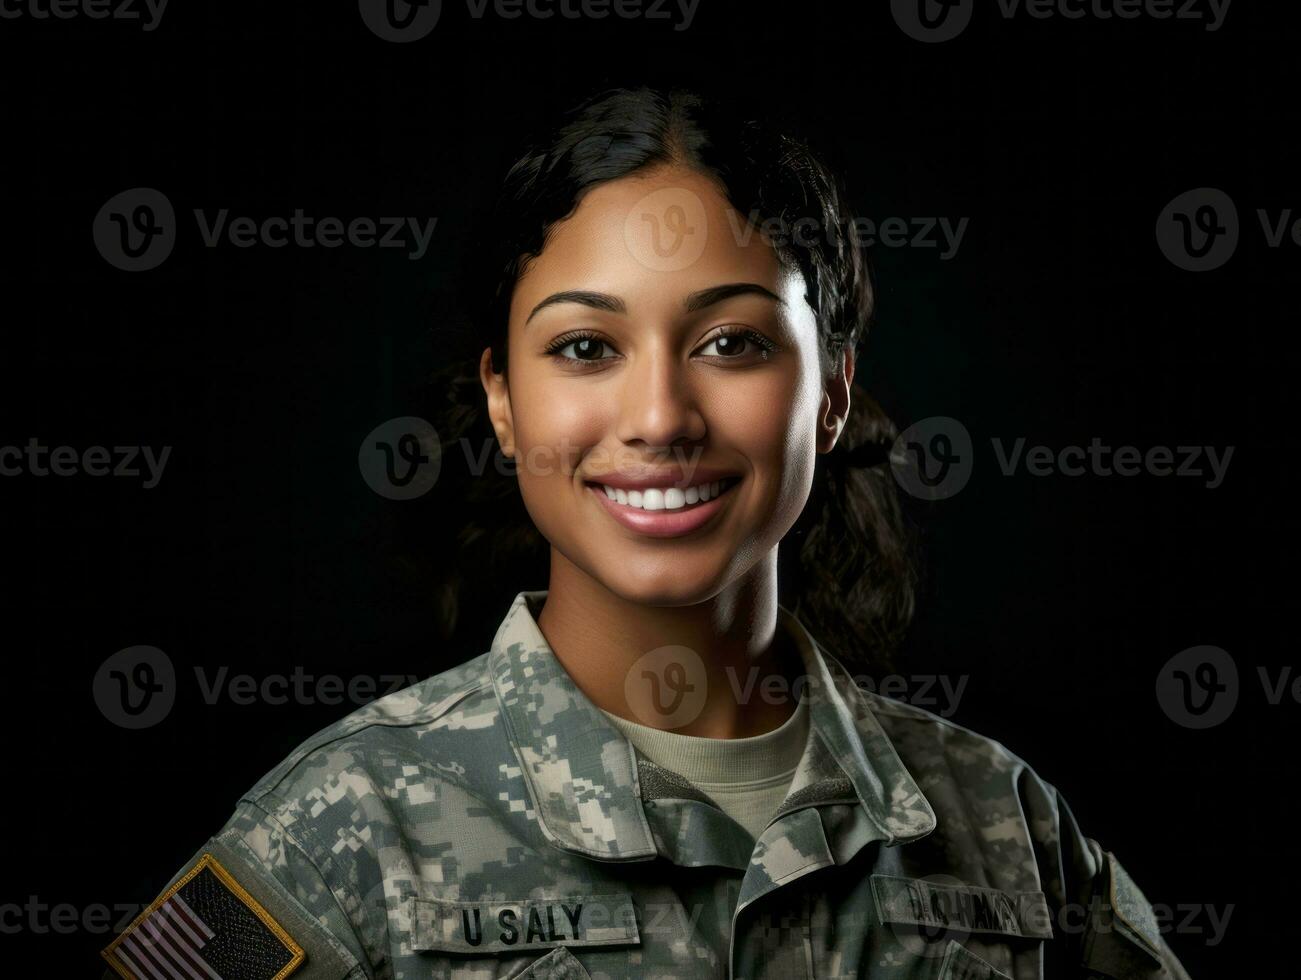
<point>667,586</point>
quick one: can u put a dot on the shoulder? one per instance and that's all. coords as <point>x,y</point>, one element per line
<point>393,751</point>
<point>930,745</point>
<point>990,803</point>
<point>301,851</point>
<point>986,798</point>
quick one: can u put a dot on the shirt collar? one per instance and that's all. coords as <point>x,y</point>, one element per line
<point>581,772</point>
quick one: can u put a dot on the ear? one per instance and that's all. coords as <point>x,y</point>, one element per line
<point>499,410</point>
<point>835,402</point>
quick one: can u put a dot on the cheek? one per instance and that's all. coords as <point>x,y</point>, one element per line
<point>555,424</point>
<point>770,417</point>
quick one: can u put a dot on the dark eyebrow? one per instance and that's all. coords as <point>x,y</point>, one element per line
<point>597,301</point>
<point>696,301</point>
<point>716,294</point>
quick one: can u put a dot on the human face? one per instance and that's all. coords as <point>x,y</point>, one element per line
<point>655,345</point>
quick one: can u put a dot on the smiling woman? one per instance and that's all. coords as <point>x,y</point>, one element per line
<point>659,769</point>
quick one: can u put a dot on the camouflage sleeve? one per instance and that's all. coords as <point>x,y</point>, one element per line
<point>1106,927</point>
<point>249,905</point>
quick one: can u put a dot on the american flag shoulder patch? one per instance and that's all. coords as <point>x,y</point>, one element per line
<point>204,927</point>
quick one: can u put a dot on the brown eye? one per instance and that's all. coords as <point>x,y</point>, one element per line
<point>586,349</point>
<point>735,343</point>
<point>729,345</point>
<point>579,348</point>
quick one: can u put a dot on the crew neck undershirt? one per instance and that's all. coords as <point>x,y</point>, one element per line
<point>747,777</point>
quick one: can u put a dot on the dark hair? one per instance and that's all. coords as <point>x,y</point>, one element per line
<point>845,567</point>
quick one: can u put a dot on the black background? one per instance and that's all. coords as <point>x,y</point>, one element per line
<point>262,550</point>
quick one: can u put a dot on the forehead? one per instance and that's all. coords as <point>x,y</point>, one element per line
<point>651,237</point>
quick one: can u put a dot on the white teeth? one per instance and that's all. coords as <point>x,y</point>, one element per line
<point>669,498</point>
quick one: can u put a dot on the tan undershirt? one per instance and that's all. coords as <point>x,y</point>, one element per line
<point>747,777</point>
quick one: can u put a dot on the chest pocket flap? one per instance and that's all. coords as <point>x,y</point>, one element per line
<point>499,926</point>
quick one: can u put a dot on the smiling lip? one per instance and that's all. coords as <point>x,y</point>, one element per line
<point>671,476</point>
<point>663,523</point>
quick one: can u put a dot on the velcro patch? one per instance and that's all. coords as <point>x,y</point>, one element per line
<point>204,927</point>
<point>969,908</point>
<point>1131,908</point>
<point>533,923</point>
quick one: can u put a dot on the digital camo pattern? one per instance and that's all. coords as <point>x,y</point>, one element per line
<point>490,822</point>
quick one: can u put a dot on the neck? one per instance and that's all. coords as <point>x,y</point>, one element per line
<point>599,636</point>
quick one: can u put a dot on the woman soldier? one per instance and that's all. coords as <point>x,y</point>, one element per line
<point>657,771</point>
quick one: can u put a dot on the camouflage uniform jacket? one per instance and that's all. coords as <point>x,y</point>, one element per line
<point>489,822</point>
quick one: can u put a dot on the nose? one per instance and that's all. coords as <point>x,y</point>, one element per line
<point>658,403</point>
